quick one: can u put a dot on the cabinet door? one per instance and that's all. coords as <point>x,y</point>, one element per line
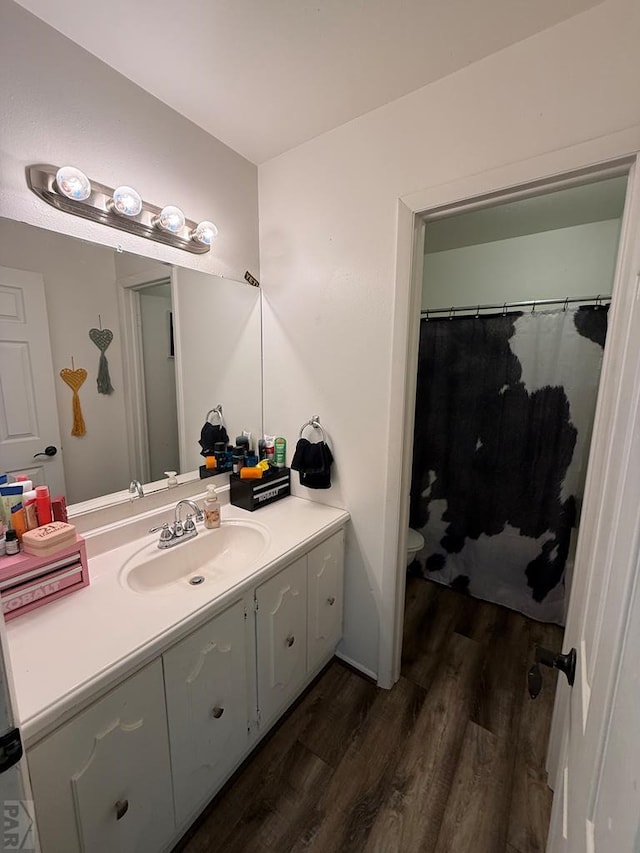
<point>326,582</point>
<point>281,624</point>
<point>102,782</point>
<point>207,707</point>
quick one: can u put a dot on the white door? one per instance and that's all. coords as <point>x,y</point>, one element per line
<point>281,638</point>
<point>597,787</point>
<point>28,412</point>
<point>325,582</point>
<point>207,696</point>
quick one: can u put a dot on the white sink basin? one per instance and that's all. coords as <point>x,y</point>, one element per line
<point>234,546</point>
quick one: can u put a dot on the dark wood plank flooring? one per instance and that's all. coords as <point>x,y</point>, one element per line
<point>451,760</point>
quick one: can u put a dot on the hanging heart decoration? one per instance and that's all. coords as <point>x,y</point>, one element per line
<point>75,379</point>
<point>102,338</point>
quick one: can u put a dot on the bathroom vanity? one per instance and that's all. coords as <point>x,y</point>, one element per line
<point>140,695</point>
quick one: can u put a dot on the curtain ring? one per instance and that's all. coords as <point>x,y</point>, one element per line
<point>427,317</point>
<point>566,303</point>
<point>598,301</point>
<point>533,308</point>
<point>504,310</point>
<point>452,312</point>
<point>478,313</point>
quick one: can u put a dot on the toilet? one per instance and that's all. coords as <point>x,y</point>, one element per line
<point>415,543</point>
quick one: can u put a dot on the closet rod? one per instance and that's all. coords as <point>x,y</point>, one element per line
<point>503,306</point>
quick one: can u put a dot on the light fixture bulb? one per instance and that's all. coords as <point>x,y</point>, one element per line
<point>73,183</point>
<point>170,218</point>
<point>205,232</point>
<point>126,201</point>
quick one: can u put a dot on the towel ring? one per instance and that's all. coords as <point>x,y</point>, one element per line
<point>217,412</point>
<point>314,422</point>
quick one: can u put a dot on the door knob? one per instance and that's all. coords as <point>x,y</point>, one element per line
<point>51,450</point>
<point>565,663</point>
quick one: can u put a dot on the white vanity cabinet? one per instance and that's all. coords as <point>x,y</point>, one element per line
<point>298,624</point>
<point>131,771</point>
<point>102,782</point>
<point>208,706</point>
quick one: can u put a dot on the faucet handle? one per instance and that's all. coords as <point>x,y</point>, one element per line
<point>165,533</point>
<point>189,525</point>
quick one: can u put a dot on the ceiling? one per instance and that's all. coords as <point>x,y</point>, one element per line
<point>266,75</point>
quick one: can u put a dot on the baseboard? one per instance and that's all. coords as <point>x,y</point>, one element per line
<point>368,673</point>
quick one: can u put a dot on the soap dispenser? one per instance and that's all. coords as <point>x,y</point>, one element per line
<point>211,509</point>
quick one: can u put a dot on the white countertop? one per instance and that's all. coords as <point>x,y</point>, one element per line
<point>66,653</point>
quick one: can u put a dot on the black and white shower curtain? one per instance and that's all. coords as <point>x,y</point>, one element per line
<point>504,415</point>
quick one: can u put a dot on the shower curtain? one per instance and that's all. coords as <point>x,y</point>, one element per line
<point>504,414</point>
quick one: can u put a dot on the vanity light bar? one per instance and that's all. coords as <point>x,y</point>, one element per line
<point>116,208</point>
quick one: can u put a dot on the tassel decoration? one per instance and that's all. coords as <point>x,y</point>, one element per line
<point>102,338</point>
<point>75,379</point>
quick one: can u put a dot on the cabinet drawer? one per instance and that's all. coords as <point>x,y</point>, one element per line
<point>102,782</point>
<point>206,685</point>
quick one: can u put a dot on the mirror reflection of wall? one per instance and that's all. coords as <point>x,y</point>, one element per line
<point>137,431</point>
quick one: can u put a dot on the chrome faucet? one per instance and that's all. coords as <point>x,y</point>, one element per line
<point>135,490</point>
<point>173,534</point>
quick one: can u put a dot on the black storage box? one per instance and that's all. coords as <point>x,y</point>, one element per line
<point>252,494</point>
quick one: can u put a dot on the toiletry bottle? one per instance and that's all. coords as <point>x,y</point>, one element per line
<point>31,515</point>
<point>11,543</point>
<point>172,482</point>
<point>238,460</point>
<point>18,520</point>
<point>211,509</point>
<point>10,495</point>
<point>28,492</point>
<point>43,505</point>
<point>269,448</point>
<point>280,445</point>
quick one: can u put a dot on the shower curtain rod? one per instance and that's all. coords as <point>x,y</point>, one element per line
<point>504,306</point>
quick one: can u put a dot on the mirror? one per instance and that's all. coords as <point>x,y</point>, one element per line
<point>175,342</point>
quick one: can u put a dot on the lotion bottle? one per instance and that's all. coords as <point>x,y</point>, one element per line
<point>211,509</point>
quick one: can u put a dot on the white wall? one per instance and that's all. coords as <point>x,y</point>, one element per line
<point>576,261</point>
<point>328,233</point>
<point>60,105</point>
<point>79,282</point>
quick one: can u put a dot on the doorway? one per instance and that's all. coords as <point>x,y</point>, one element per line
<point>621,291</point>
<point>146,316</point>
<point>514,308</point>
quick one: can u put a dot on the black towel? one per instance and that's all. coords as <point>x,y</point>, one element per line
<point>210,435</point>
<point>313,462</point>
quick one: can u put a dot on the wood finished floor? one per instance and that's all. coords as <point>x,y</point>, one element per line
<point>451,760</point>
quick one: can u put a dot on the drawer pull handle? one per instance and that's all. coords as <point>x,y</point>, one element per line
<point>217,712</point>
<point>290,641</point>
<point>122,807</point>
<point>331,600</point>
